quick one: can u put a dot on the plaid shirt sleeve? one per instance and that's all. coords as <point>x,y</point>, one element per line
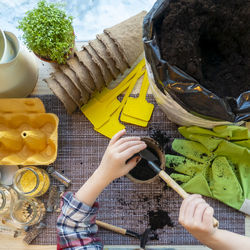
<point>76,226</point>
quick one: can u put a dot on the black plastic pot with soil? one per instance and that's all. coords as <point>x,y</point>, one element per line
<point>199,52</point>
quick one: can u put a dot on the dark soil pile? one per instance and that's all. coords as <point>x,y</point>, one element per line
<point>165,143</point>
<point>159,219</point>
<point>142,171</point>
<point>160,137</point>
<point>209,40</point>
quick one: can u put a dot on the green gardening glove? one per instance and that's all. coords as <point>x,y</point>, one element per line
<point>211,152</point>
<point>232,142</point>
<point>191,173</point>
<point>217,181</point>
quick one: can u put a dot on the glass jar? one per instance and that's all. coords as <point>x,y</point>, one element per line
<point>27,211</point>
<point>7,196</point>
<point>31,181</point>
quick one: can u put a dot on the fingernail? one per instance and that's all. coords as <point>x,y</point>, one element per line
<point>209,210</point>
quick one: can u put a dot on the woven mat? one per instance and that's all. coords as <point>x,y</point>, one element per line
<point>122,203</point>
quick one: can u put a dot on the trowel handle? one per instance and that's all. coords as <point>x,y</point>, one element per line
<point>173,184</point>
<point>110,227</point>
<point>176,187</point>
<point>118,230</point>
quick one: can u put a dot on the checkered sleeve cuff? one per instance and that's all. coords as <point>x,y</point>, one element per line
<point>76,224</point>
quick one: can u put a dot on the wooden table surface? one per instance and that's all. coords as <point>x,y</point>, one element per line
<point>8,242</point>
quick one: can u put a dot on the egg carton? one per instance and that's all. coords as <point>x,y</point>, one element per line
<point>21,105</point>
<point>28,138</point>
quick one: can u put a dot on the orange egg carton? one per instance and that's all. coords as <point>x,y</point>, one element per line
<point>28,138</point>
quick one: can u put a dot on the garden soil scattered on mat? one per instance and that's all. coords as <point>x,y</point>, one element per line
<point>156,216</point>
<point>210,41</point>
<point>143,171</point>
<point>160,137</point>
<point>158,220</point>
<point>165,143</point>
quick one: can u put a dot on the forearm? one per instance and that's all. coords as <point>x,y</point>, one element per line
<point>92,188</point>
<point>225,240</point>
<point>197,217</point>
<point>113,165</point>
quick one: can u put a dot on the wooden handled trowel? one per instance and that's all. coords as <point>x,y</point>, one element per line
<point>142,237</point>
<point>151,159</point>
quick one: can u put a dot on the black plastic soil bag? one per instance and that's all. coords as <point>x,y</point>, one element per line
<point>183,88</point>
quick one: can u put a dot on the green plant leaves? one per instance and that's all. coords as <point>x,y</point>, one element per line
<point>48,31</point>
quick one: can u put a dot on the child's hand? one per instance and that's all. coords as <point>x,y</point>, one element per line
<point>119,150</point>
<point>197,217</point>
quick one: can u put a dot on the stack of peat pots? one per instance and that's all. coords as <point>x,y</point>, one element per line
<point>98,63</point>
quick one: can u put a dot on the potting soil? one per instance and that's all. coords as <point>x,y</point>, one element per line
<point>159,219</point>
<point>209,40</point>
<point>160,137</point>
<point>143,171</point>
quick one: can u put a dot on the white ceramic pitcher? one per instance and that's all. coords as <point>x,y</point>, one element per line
<point>18,68</point>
